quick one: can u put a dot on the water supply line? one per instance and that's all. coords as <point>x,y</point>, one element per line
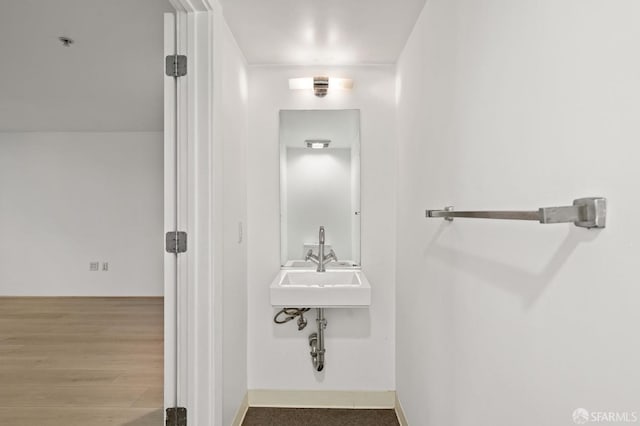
<point>316,342</point>
<point>290,314</point>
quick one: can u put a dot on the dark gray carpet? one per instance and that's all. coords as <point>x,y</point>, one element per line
<point>318,417</point>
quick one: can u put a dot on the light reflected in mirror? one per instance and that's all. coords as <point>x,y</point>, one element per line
<point>319,186</point>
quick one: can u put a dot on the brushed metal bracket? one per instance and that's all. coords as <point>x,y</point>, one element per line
<point>593,212</point>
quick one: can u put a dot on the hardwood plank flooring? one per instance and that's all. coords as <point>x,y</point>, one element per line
<point>74,361</point>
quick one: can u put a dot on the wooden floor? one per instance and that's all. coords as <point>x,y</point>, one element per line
<point>81,361</point>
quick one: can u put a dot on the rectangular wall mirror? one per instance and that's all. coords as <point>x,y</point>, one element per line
<point>319,185</point>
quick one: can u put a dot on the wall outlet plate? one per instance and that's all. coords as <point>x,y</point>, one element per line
<point>94,266</point>
<point>105,266</point>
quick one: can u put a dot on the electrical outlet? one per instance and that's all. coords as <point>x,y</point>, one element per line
<point>94,266</point>
<point>105,266</point>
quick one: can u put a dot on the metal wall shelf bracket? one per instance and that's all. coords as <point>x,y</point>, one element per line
<point>585,213</point>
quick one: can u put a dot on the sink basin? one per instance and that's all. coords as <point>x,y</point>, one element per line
<point>311,289</point>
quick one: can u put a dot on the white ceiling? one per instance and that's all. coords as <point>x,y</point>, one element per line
<point>328,32</point>
<point>109,80</point>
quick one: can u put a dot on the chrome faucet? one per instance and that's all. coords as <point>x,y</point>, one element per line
<point>321,259</point>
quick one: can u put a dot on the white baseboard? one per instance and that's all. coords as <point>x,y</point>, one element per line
<point>242,411</point>
<point>402,419</point>
<point>322,399</point>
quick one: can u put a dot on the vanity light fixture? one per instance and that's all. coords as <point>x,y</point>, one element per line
<point>317,143</point>
<point>320,84</point>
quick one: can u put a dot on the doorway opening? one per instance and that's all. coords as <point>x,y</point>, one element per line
<point>82,202</point>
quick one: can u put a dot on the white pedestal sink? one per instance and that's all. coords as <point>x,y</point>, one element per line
<point>330,289</point>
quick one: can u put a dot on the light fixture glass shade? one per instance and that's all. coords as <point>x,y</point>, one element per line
<point>305,83</point>
<point>340,83</point>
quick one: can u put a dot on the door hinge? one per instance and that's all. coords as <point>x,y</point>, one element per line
<point>176,65</point>
<point>176,416</point>
<point>176,242</point>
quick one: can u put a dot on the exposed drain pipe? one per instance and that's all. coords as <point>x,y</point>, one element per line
<point>316,342</point>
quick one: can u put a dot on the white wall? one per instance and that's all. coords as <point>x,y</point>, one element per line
<point>230,160</point>
<point>518,105</point>
<point>360,342</point>
<point>67,199</point>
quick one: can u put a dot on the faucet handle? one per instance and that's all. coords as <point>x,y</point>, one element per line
<point>312,257</point>
<point>330,257</point>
